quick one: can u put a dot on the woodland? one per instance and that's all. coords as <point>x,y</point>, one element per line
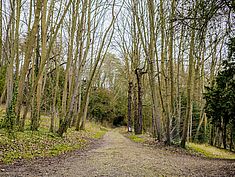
<point>163,68</point>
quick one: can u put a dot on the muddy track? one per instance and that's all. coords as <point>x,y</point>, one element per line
<point>116,155</point>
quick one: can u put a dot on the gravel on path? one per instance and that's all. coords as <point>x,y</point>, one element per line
<point>117,156</point>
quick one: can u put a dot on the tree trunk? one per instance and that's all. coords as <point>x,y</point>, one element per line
<point>129,107</point>
<point>54,110</point>
<point>36,119</point>
<point>84,115</point>
<point>139,74</point>
<point>17,37</point>
<point>75,119</point>
<point>22,120</point>
<point>135,110</point>
<point>231,136</point>
<point>171,73</point>
<point>30,43</point>
<point>212,135</point>
<point>189,86</point>
<point>180,59</point>
<point>151,73</point>
<point>35,69</point>
<point>9,78</point>
<point>1,59</point>
<point>224,134</point>
<point>98,63</point>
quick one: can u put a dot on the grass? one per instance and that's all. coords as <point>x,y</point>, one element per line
<point>203,149</point>
<point>41,143</point>
<point>29,144</point>
<point>2,111</point>
<point>211,151</point>
<point>136,138</point>
<point>96,131</point>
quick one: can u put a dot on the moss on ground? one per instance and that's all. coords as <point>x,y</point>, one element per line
<point>211,151</point>
<point>31,144</point>
<point>192,148</point>
<point>96,131</point>
<point>137,138</point>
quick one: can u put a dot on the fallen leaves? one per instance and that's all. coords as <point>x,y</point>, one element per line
<point>29,144</point>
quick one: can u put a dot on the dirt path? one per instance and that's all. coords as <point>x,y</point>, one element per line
<point>118,156</point>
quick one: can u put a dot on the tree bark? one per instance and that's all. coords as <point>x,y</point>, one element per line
<point>1,59</point>
<point>28,54</point>
<point>180,59</point>
<point>130,107</point>
<point>189,85</point>
<point>135,110</point>
<point>151,59</point>
<point>9,78</point>
<point>231,137</point>
<point>171,73</point>
<point>224,135</point>
<point>54,110</point>
<point>139,74</point>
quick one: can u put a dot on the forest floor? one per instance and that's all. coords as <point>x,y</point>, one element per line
<point>116,155</point>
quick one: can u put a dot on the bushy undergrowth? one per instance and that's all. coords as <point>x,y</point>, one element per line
<point>105,107</point>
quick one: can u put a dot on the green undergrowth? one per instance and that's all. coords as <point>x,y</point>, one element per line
<point>211,151</point>
<point>192,148</point>
<point>137,138</point>
<point>31,144</point>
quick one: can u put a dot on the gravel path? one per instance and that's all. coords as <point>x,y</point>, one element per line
<point>118,156</point>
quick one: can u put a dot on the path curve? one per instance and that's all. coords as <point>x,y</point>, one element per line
<point>118,156</point>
